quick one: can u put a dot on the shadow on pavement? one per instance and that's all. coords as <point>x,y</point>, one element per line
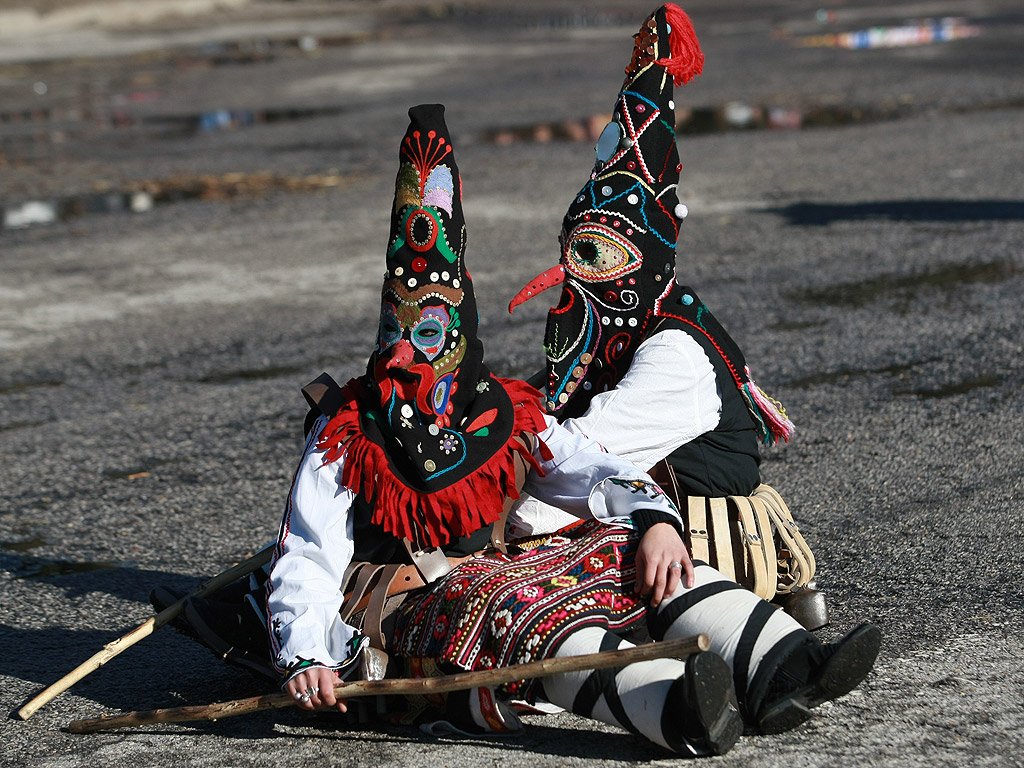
<point>820,214</point>
<point>78,578</point>
<point>537,737</point>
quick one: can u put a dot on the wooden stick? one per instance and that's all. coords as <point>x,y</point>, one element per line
<point>112,649</point>
<point>407,686</point>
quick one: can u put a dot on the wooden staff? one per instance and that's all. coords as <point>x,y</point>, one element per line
<point>407,686</point>
<point>112,649</point>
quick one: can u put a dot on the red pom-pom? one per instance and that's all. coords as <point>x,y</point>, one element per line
<point>685,60</point>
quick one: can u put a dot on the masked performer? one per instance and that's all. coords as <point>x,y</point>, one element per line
<point>635,360</point>
<point>416,458</point>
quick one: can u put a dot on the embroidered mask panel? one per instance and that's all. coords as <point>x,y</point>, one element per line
<point>427,365</point>
<point>618,236</point>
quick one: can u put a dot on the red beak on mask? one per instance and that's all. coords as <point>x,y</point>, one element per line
<point>546,279</point>
<point>397,372</point>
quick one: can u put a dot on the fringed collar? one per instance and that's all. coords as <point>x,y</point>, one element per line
<point>435,516</point>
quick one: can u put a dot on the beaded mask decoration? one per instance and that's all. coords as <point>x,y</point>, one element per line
<point>618,237</point>
<point>618,241</point>
<point>428,356</point>
<point>432,446</point>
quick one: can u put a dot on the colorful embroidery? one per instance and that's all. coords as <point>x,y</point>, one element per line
<point>617,268</point>
<point>353,649</point>
<point>619,234</point>
<point>431,516</point>
<point>402,426</point>
<point>515,610</point>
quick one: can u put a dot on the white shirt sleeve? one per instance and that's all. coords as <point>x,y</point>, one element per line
<point>315,546</point>
<point>586,481</point>
<point>668,397</point>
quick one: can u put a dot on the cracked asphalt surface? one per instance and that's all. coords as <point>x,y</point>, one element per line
<point>870,265</point>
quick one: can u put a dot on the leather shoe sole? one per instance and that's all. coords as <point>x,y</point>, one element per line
<point>851,661</point>
<point>712,703</point>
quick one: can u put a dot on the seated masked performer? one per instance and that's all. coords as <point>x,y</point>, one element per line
<point>635,360</point>
<point>419,455</point>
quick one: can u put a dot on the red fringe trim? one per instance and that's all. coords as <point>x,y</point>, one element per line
<point>432,519</point>
<point>685,60</point>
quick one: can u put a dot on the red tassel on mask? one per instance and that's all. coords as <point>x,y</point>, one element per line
<point>685,60</point>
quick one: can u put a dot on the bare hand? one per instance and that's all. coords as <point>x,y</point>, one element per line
<point>314,689</point>
<point>658,562</point>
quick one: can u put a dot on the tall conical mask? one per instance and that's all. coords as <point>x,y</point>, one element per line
<point>429,434</point>
<point>619,234</point>
<point>428,354</point>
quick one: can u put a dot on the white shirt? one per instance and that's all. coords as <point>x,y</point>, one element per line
<point>316,542</point>
<point>668,397</point>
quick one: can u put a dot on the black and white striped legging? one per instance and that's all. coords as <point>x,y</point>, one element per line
<point>750,634</point>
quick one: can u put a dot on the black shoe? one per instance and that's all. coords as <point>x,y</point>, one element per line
<point>813,674</point>
<point>702,706</point>
<point>232,632</point>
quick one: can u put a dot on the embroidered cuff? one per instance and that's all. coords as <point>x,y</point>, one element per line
<point>646,518</point>
<point>355,647</point>
<point>301,666</point>
<point>620,496</point>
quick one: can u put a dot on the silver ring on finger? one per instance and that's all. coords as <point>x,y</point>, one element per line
<point>304,697</point>
<point>298,696</point>
<point>675,564</point>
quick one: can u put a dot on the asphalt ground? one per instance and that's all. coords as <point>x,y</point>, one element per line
<point>870,265</point>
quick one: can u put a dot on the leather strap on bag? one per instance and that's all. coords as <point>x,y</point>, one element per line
<point>323,395</point>
<point>721,536</point>
<point>697,529</point>
<point>766,533</point>
<point>431,563</point>
<point>795,558</point>
<point>367,577</point>
<point>757,562</point>
<point>750,539</point>
<point>375,609</point>
<point>405,579</point>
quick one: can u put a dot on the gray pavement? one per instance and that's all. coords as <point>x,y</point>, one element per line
<point>150,419</point>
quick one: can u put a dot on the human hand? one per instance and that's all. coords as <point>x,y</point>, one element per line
<point>313,689</point>
<point>661,561</point>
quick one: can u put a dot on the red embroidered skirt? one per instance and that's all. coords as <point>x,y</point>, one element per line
<point>495,611</point>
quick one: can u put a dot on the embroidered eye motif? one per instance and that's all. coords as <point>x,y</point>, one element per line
<point>421,230</point>
<point>390,328</point>
<point>593,255</point>
<point>428,337</point>
<point>429,334</point>
<point>427,327</point>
